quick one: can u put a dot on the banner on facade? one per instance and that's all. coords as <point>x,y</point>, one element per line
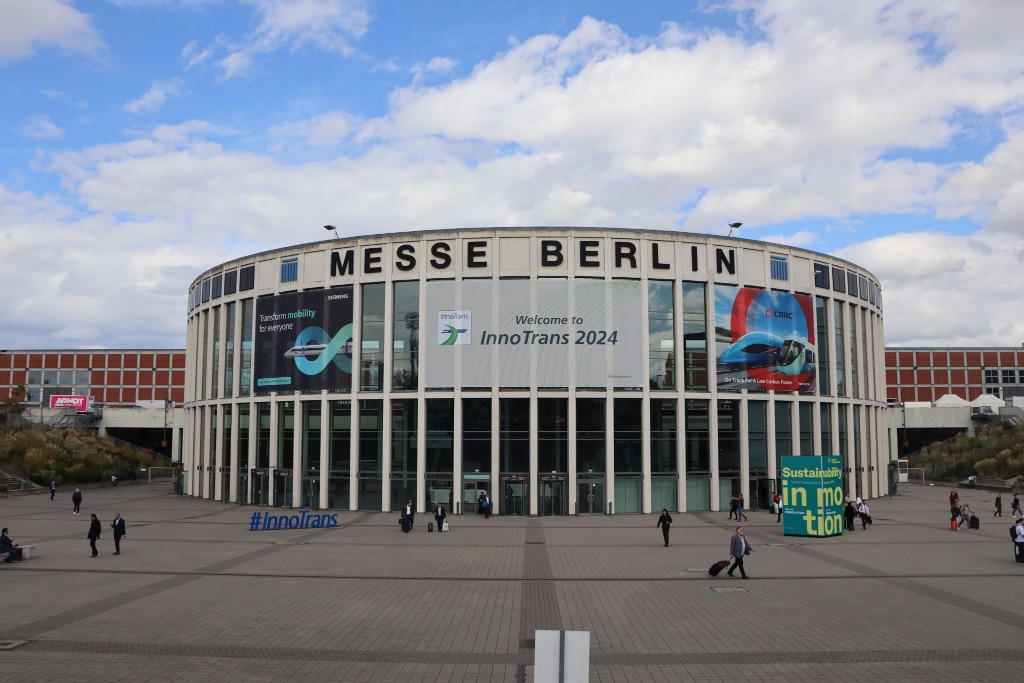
<point>303,341</point>
<point>68,401</point>
<point>764,340</point>
<point>543,333</point>
<point>812,495</point>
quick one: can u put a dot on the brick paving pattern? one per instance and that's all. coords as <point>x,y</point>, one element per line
<point>196,596</point>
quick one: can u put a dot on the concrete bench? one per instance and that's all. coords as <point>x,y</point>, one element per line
<point>27,552</point>
<point>990,485</point>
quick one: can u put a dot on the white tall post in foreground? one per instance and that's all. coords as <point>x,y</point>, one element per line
<point>562,657</point>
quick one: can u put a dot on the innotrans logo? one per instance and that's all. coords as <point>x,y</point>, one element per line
<point>454,328</point>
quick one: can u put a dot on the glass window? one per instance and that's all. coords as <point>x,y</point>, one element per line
<point>780,268</point>
<point>862,286</point>
<point>216,286</point>
<point>840,357</point>
<point>263,436</point>
<point>215,390</point>
<point>663,436</point>
<point>695,336</point>
<point>371,435</point>
<point>839,280</point>
<point>661,334</point>
<point>231,282</point>
<point>403,436</point>
<point>243,442</point>
<point>783,428</point>
<point>206,290</point>
<point>728,436</point>
<point>311,442</point>
<point>229,350</point>
<point>340,455</point>
<point>757,434</point>
<point>552,435</point>
<point>821,275</point>
<point>476,435</point>
<point>851,283</point>
<point>991,376</point>
<point>371,358</point>
<point>854,379</point>
<point>514,417</point>
<point>826,429</point>
<point>628,435</point>
<point>1009,376</point>
<point>247,278</point>
<point>440,435</point>
<point>290,269</point>
<point>286,435</point>
<point>406,344</point>
<point>590,436</point>
<point>698,436</point>
<point>824,363</point>
<point>245,381</point>
<point>807,429</point>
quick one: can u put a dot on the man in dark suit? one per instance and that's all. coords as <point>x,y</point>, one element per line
<point>738,547</point>
<point>408,514</point>
<point>440,516</point>
<point>119,531</point>
<point>94,534</point>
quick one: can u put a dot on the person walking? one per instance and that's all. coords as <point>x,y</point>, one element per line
<point>738,548</point>
<point>94,534</point>
<point>407,516</point>
<point>999,506</point>
<point>1015,506</point>
<point>53,490</point>
<point>119,531</point>
<point>954,498</point>
<point>665,521</point>
<point>777,502</point>
<point>741,516</point>
<point>440,516</point>
<point>487,506</point>
<point>76,499</point>
<point>733,503</point>
<point>865,515</point>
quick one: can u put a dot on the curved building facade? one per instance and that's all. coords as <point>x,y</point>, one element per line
<point>558,370</point>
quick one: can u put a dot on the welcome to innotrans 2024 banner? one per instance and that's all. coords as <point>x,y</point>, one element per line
<point>812,495</point>
<point>544,333</point>
<point>303,341</point>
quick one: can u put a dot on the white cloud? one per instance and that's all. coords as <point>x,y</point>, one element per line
<point>825,118</point>
<point>40,127</point>
<point>156,97</point>
<point>28,26</point>
<point>327,25</point>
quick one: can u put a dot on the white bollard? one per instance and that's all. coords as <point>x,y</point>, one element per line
<point>562,657</point>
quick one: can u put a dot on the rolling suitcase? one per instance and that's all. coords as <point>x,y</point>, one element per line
<point>975,522</point>
<point>717,567</point>
<point>430,526</point>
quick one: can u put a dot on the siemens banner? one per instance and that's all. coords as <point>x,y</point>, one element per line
<point>544,333</point>
<point>764,340</point>
<point>303,341</point>
<point>812,495</point>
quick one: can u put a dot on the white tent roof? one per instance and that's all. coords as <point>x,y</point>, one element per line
<point>950,401</point>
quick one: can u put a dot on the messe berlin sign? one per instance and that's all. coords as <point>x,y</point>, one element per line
<point>812,495</point>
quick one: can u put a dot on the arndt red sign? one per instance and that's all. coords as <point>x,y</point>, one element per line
<point>79,403</point>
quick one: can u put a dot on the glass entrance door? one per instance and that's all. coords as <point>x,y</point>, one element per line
<point>260,481</point>
<point>283,488</point>
<point>471,493</point>
<point>590,497</point>
<point>552,497</point>
<point>515,497</point>
<point>760,492</point>
<point>310,492</point>
<point>243,487</point>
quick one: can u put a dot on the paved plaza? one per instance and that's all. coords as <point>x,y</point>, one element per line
<point>196,596</point>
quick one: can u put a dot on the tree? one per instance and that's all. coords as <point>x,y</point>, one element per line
<point>15,404</point>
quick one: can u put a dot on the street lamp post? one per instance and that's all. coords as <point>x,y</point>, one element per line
<point>331,227</point>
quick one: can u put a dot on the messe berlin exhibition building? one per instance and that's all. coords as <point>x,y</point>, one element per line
<point>557,371</point>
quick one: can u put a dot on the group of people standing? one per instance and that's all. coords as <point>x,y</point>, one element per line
<point>95,528</point>
<point>854,509</point>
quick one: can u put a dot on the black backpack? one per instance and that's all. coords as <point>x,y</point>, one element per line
<point>1013,532</point>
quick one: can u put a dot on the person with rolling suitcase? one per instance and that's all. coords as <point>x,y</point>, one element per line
<point>440,516</point>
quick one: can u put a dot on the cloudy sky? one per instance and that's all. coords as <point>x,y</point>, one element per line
<point>143,141</point>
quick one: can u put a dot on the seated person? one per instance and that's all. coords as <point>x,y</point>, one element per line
<point>7,546</point>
